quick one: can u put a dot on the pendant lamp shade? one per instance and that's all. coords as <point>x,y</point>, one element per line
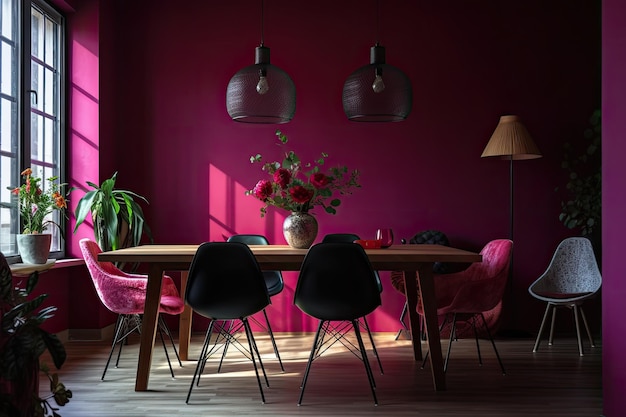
<point>377,92</point>
<point>261,93</point>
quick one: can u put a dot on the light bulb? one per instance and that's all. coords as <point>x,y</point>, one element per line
<point>378,85</point>
<point>262,86</point>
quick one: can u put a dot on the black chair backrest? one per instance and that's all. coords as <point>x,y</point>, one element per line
<point>433,237</point>
<point>273,279</point>
<point>225,282</point>
<point>340,237</point>
<point>337,282</point>
<point>349,238</point>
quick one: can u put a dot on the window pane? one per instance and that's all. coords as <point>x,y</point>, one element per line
<point>40,127</point>
<point>9,69</point>
<point>9,16</point>
<point>37,34</point>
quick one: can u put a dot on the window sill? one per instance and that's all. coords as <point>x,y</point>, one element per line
<point>27,269</point>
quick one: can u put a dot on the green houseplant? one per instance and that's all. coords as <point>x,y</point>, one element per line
<point>118,219</point>
<point>36,204</point>
<point>582,210</point>
<point>22,342</point>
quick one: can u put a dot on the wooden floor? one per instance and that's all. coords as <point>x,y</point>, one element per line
<point>553,382</point>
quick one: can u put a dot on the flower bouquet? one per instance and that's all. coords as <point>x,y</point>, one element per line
<point>298,187</point>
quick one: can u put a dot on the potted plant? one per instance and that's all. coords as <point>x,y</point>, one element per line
<point>22,342</point>
<point>118,219</point>
<point>36,206</point>
<point>583,208</point>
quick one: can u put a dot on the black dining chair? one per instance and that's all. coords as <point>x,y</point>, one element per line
<point>337,283</point>
<point>273,280</point>
<point>225,284</point>
<point>350,238</point>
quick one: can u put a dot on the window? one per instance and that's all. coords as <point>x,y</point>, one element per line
<point>31,108</point>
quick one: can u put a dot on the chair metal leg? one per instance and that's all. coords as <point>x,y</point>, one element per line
<point>167,356</point>
<point>452,332</point>
<point>118,325</point>
<point>543,323</point>
<point>368,368</point>
<point>201,360</point>
<point>493,343</point>
<point>480,359</point>
<point>577,323</point>
<point>253,347</point>
<point>269,331</point>
<point>404,327</point>
<point>551,338</point>
<point>582,313</point>
<point>367,327</point>
<point>314,348</point>
<point>168,332</point>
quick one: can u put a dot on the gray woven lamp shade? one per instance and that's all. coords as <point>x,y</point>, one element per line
<point>377,92</point>
<point>511,140</point>
<point>249,99</point>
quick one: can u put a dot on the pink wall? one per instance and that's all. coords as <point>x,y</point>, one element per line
<point>614,203</point>
<point>163,115</point>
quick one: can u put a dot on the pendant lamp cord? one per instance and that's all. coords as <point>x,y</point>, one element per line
<point>262,22</point>
<point>377,22</point>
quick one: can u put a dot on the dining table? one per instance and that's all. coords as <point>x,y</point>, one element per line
<point>416,261</point>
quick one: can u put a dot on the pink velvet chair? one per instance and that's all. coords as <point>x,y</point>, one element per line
<point>466,296</point>
<point>125,294</point>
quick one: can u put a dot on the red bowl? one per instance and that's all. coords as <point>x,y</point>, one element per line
<point>370,244</point>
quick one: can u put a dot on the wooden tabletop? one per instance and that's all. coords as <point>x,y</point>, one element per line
<point>286,258</point>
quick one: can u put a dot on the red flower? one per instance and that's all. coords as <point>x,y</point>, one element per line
<point>282,177</point>
<point>319,180</point>
<point>300,194</point>
<point>263,190</point>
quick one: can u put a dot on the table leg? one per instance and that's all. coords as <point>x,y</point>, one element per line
<point>149,326</point>
<point>184,328</point>
<point>429,303</point>
<point>410,290</point>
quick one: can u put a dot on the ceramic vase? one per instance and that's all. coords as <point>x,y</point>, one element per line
<point>300,230</point>
<point>34,248</point>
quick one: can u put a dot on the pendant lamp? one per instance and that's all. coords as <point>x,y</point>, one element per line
<point>377,92</point>
<point>261,93</point>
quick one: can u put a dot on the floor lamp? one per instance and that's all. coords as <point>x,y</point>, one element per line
<point>511,141</point>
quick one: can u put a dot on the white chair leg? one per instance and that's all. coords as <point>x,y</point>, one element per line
<point>543,323</point>
<point>580,343</point>
<point>551,338</point>
<point>582,313</point>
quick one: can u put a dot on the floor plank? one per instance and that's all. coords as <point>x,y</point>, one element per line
<point>556,381</point>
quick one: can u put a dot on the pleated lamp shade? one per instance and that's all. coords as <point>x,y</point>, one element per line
<point>511,140</point>
<point>249,99</point>
<point>377,92</point>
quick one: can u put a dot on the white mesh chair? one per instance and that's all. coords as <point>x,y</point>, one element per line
<point>571,278</point>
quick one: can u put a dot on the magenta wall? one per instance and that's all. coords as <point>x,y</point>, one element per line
<point>614,204</point>
<point>164,126</point>
<point>161,122</point>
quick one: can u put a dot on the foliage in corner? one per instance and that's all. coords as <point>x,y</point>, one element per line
<point>22,342</point>
<point>583,209</point>
<point>112,210</point>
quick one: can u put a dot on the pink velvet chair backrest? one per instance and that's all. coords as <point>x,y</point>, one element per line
<point>484,282</point>
<point>120,292</point>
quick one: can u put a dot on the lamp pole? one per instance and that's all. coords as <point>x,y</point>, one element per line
<point>510,140</point>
